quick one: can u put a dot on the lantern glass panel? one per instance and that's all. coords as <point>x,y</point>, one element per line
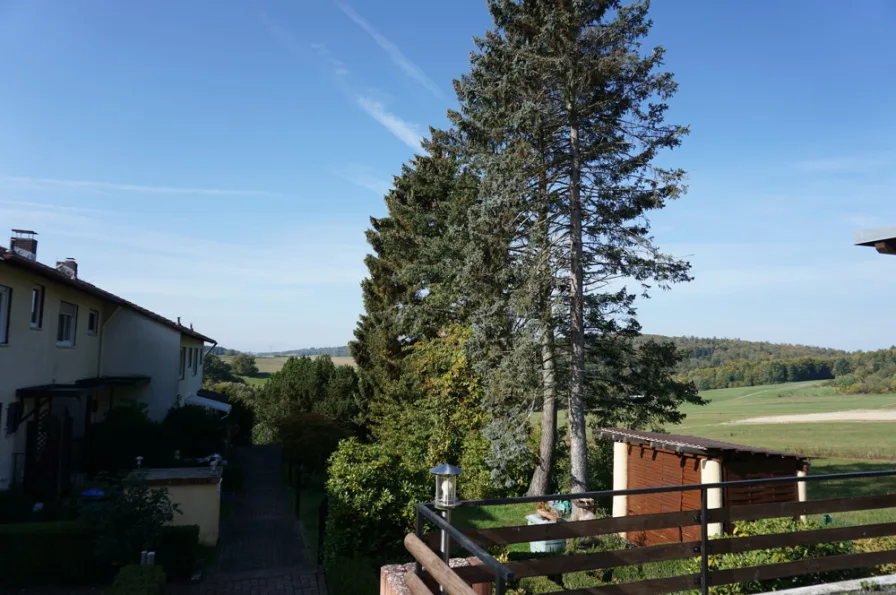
<point>446,491</point>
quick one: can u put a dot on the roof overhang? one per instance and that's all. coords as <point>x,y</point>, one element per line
<point>80,387</point>
<point>207,403</point>
<point>691,444</point>
<point>882,239</point>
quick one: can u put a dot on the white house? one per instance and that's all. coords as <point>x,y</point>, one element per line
<point>68,352</point>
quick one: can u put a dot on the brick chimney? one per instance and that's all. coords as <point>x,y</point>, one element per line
<point>23,243</point>
<point>68,267</point>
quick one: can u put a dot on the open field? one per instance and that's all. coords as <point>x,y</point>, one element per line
<point>804,417</point>
<point>269,365</point>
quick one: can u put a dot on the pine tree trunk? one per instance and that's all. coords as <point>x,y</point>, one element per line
<point>578,443</point>
<point>541,478</point>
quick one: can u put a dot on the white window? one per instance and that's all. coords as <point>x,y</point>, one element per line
<point>5,298</point>
<point>183,361</point>
<point>37,306</point>
<point>68,325</point>
<point>93,322</point>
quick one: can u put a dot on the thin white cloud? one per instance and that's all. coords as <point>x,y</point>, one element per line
<point>364,177</point>
<point>139,188</point>
<point>398,58</point>
<point>407,132</point>
<point>338,66</point>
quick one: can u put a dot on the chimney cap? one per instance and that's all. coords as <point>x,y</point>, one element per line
<point>70,258</point>
<point>34,233</point>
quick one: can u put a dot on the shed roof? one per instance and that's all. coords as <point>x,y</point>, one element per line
<point>691,444</point>
<point>48,272</point>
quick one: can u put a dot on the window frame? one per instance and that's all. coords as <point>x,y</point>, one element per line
<point>95,315</point>
<point>5,309</point>
<point>196,362</point>
<point>38,308</point>
<point>183,362</point>
<point>71,340</point>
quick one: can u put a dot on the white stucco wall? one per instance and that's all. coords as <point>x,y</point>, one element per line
<point>136,345</point>
<point>191,382</point>
<point>32,357</point>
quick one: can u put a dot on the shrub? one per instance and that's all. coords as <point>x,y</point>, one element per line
<point>352,576</point>
<point>232,480</point>
<point>309,439</point>
<point>176,551</point>
<point>114,443</point>
<point>244,365</point>
<point>37,554</point>
<point>372,498</point>
<point>128,520</point>
<point>779,555</point>
<point>194,431</point>
<point>15,506</point>
<point>138,580</point>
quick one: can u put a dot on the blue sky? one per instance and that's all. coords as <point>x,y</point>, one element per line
<point>219,161</point>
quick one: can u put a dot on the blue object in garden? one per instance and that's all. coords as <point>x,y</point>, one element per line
<point>550,545</point>
<point>828,519</point>
<point>93,493</point>
<point>564,507</point>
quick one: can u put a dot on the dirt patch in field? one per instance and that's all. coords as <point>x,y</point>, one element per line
<point>853,415</point>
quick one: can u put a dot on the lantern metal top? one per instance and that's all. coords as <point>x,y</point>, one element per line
<point>446,469</point>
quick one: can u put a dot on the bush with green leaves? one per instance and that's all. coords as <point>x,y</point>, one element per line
<point>38,554</point>
<point>176,550</point>
<point>138,580</point>
<point>128,518</point>
<point>215,370</point>
<point>305,385</point>
<point>372,499</point>
<point>244,365</point>
<point>778,556</point>
<point>126,433</point>
<point>194,431</point>
<point>241,419</point>
<point>308,440</point>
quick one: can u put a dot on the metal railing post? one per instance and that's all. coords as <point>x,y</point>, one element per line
<point>445,544</point>
<point>500,587</point>
<point>704,542</point>
<point>418,531</point>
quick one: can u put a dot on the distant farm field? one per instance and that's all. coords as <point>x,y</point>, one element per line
<point>269,365</point>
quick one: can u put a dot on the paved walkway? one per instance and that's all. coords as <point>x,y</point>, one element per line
<point>261,549</point>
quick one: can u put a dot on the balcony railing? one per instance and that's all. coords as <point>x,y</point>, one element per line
<point>432,571</point>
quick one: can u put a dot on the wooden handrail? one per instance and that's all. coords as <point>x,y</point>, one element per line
<point>676,551</point>
<point>664,520</point>
<point>415,585</point>
<point>434,565</point>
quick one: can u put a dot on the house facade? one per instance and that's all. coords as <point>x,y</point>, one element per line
<point>69,351</point>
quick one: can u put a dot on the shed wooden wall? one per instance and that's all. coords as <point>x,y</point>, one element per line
<point>741,466</point>
<point>653,467</point>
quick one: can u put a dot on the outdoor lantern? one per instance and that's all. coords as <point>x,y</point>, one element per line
<point>446,486</point>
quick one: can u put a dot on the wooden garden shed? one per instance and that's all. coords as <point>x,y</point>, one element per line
<point>650,459</point>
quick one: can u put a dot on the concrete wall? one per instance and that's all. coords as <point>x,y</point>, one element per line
<point>31,356</point>
<point>136,345</point>
<point>200,505</point>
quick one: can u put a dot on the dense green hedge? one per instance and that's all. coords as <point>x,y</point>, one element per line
<point>177,550</point>
<point>48,553</point>
<point>139,580</point>
<point>63,553</point>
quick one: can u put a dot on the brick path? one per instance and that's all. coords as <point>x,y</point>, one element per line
<point>261,548</point>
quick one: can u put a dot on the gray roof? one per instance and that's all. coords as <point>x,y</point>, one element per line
<point>690,444</point>
<point>870,237</point>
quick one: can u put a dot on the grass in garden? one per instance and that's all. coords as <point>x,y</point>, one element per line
<point>269,365</point>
